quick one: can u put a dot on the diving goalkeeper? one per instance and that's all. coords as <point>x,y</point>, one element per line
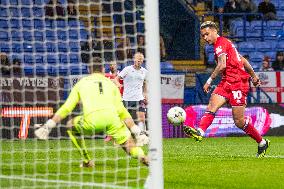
<point>103,111</point>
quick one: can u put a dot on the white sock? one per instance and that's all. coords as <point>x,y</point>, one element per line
<point>201,132</point>
<point>141,125</point>
<point>262,143</point>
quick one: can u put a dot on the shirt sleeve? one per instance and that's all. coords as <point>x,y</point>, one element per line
<point>220,48</point>
<point>70,103</point>
<point>123,73</point>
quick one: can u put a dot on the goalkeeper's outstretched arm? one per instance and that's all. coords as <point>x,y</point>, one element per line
<point>43,131</point>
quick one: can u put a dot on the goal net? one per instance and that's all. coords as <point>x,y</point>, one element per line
<point>44,47</point>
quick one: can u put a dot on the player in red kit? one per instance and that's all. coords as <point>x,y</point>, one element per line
<point>112,74</point>
<point>233,87</point>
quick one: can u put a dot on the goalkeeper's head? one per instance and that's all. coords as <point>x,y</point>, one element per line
<point>96,65</point>
<point>209,31</point>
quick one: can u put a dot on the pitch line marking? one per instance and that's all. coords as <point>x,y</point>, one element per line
<point>63,182</point>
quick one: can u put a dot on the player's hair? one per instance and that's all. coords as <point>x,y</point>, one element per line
<point>208,24</point>
<point>96,64</point>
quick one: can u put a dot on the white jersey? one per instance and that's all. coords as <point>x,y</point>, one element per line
<point>133,83</point>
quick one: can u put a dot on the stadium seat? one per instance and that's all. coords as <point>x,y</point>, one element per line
<point>38,35</point>
<point>60,24</point>
<point>280,46</point>
<point>50,35</point>
<point>4,36</point>
<point>26,2</point>
<point>39,2</point>
<point>28,47</point>
<point>275,25</point>
<point>74,46</point>
<point>14,12</point>
<point>256,56</point>
<point>73,34</point>
<point>263,46</point>
<point>83,34</point>
<point>27,35</point>
<point>39,47</point>
<point>38,24</point>
<point>38,12</point>
<point>63,59</point>
<point>257,25</point>
<point>4,24</point>
<point>270,34</point>
<point>49,23</point>
<point>246,47</point>
<point>210,58</point>
<point>15,23</point>
<point>26,12</point>
<point>28,59</point>
<point>27,24</point>
<point>61,35</point>
<point>280,14</point>
<point>13,2</point>
<point>17,47</point>
<point>51,59</point>
<point>4,47</point>
<point>74,58</point>
<point>51,47</point>
<point>39,59</point>
<point>5,2</point>
<point>3,12</point>
<point>62,47</point>
<point>237,26</point>
<point>16,35</point>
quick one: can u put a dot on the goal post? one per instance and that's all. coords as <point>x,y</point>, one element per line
<point>154,89</point>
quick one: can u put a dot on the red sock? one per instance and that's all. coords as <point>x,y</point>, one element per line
<point>206,120</point>
<point>251,131</point>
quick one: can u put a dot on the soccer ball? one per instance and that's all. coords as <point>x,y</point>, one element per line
<point>176,116</point>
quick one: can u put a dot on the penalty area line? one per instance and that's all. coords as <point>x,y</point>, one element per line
<point>63,182</point>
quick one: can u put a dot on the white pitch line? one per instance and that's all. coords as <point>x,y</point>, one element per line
<point>281,157</point>
<point>63,182</point>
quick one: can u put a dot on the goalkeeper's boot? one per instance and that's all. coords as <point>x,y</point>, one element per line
<point>194,133</point>
<point>263,149</point>
<point>88,164</point>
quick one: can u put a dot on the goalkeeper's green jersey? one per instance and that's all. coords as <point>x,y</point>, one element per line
<point>96,92</point>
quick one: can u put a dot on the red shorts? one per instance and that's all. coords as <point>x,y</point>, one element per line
<point>236,93</point>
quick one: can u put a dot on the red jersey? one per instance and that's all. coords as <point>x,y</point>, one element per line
<point>234,71</point>
<point>112,77</point>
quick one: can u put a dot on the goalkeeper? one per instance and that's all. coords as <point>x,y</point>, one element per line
<point>103,111</point>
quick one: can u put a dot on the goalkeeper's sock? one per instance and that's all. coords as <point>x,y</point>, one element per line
<point>251,131</point>
<point>80,145</point>
<point>206,120</point>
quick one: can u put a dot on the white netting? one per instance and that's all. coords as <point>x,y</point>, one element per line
<point>41,58</point>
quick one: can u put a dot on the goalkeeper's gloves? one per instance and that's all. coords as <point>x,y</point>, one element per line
<point>140,136</point>
<point>43,130</point>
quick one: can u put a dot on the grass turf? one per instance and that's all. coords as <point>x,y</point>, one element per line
<point>212,163</point>
<point>222,163</point>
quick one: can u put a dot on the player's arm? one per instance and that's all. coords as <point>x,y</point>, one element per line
<point>43,131</point>
<point>221,65</point>
<point>145,91</point>
<point>124,115</point>
<point>249,69</point>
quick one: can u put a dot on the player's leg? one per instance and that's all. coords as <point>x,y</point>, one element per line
<point>246,125</point>
<point>141,115</point>
<point>122,136</point>
<point>75,127</point>
<point>216,101</point>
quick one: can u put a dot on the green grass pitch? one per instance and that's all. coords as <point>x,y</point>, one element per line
<point>219,163</point>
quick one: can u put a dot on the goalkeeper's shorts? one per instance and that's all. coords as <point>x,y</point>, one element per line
<point>100,121</point>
